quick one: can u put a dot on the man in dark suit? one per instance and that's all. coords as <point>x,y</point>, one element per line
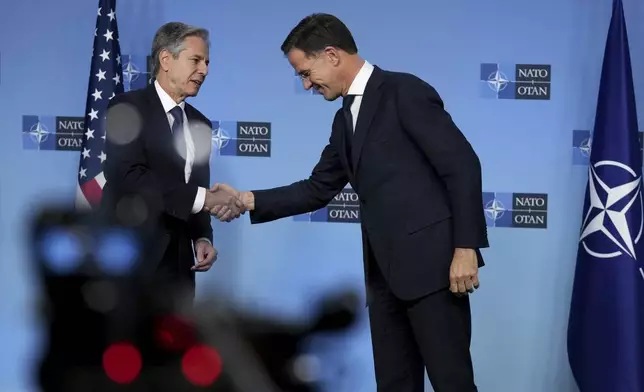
<point>159,153</point>
<point>419,184</point>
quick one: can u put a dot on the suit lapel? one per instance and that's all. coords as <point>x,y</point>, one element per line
<point>201,135</point>
<point>368,107</point>
<point>161,127</point>
<point>159,118</point>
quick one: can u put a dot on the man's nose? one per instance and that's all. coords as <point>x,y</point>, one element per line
<point>203,68</point>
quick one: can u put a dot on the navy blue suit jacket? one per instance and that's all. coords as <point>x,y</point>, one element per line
<point>142,162</point>
<point>417,177</point>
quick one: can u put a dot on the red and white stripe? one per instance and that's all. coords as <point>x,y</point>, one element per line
<point>89,195</point>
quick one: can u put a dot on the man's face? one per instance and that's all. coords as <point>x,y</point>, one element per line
<point>188,71</point>
<point>318,71</point>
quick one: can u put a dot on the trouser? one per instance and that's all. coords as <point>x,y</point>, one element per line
<point>432,333</point>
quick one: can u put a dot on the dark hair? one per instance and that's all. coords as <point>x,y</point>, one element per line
<point>317,31</point>
<point>171,37</point>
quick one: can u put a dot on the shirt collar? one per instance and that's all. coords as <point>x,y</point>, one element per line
<point>167,102</point>
<point>360,81</point>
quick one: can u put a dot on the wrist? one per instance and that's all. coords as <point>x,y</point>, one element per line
<point>248,198</point>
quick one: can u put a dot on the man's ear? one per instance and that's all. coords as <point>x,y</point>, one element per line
<point>332,54</point>
<point>164,59</point>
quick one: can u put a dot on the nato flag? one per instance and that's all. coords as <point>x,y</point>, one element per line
<point>606,326</point>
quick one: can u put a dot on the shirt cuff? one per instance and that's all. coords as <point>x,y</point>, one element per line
<point>200,199</point>
<point>203,239</point>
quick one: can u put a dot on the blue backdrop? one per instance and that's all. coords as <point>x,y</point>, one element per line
<point>520,79</point>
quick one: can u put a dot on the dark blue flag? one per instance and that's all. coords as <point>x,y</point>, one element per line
<point>105,81</point>
<point>606,326</point>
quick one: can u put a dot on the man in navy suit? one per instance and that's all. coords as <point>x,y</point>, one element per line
<point>159,153</point>
<point>419,184</point>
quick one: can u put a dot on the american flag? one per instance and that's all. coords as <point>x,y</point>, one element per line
<point>105,81</point>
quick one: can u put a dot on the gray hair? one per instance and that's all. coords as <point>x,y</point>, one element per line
<point>171,37</point>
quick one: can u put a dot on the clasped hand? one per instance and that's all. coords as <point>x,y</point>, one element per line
<point>463,273</point>
<point>224,203</point>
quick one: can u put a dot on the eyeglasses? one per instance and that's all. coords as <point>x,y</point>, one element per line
<point>304,75</point>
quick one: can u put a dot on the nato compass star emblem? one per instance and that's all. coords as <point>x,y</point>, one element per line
<point>585,147</point>
<point>497,81</point>
<point>220,138</point>
<point>611,210</point>
<point>494,209</point>
<point>39,133</point>
<point>131,72</point>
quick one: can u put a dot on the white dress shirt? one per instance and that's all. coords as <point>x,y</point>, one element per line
<point>357,88</point>
<point>168,104</point>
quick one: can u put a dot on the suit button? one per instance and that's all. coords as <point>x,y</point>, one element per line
<point>363,201</point>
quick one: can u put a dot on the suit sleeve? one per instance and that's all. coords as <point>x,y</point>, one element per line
<point>327,179</point>
<point>200,222</point>
<point>127,170</point>
<point>448,151</point>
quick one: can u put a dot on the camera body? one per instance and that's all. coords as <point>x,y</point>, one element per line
<point>107,330</point>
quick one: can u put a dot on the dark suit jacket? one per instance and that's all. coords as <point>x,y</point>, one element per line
<point>417,177</point>
<point>142,162</point>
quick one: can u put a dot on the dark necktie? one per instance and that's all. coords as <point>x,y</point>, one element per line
<point>347,101</point>
<point>177,130</point>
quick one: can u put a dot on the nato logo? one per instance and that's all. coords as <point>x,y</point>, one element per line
<point>299,87</point>
<point>344,208</point>
<point>581,143</point>
<point>137,71</point>
<point>517,210</point>
<point>241,138</point>
<point>52,133</point>
<point>515,81</point>
<point>614,217</point>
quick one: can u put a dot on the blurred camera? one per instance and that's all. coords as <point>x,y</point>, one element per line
<point>106,331</point>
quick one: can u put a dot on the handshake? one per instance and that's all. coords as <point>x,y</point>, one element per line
<point>226,203</point>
